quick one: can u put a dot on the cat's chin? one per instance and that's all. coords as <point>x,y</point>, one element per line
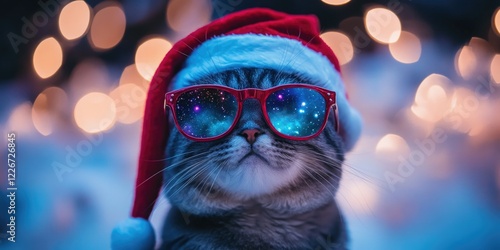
<point>255,176</point>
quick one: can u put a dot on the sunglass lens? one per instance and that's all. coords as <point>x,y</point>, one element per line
<point>296,111</point>
<point>206,112</point>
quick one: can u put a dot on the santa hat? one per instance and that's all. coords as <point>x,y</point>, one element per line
<point>258,38</point>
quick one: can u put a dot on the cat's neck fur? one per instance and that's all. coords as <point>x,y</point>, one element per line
<point>253,226</point>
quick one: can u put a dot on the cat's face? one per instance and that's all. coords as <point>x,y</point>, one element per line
<point>252,164</point>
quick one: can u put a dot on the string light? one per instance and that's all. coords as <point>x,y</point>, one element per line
<point>130,100</point>
<point>340,44</point>
<point>465,62</point>
<point>335,2</point>
<point>186,16</point>
<point>495,21</point>
<point>20,119</point>
<point>495,68</point>
<point>48,104</point>
<point>431,100</point>
<point>390,145</point>
<point>108,26</point>
<point>149,56</point>
<point>47,58</point>
<point>383,25</point>
<point>407,48</point>
<point>95,112</point>
<point>74,19</point>
<point>131,75</point>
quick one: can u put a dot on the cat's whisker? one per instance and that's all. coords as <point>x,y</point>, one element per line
<point>180,177</point>
<point>203,181</point>
<point>171,166</point>
<point>200,171</point>
<point>214,179</point>
<point>311,174</point>
<point>352,170</point>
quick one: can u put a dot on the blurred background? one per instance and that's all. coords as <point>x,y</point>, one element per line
<point>424,74</point>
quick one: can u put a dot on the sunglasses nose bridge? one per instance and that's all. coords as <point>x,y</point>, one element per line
<point>251,93</point>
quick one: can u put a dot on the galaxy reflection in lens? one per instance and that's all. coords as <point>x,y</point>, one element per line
<point>205,113</point>
<point>296,112</point>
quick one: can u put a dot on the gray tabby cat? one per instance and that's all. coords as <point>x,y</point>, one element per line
<point>253,189</point>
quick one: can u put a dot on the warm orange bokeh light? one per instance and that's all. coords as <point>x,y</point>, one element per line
<point>383,25</point>
<point>74,19</point>
<point>47,58</point>
<point>20,119</point>
<point>129,100</point>
<point>495,68</point>
<point>108,26</point>
<point>46,108</point>
<point>340,44</point>
<point>149,55</point>
<point>95,112</point>
<point>186,16</point>
<point>407,48</point>
<point>391,145</point>
<point>335,2</point>
<point>465,62</point>
<point>495,21</point>
<point>131,75</point>
<point>431,100</point>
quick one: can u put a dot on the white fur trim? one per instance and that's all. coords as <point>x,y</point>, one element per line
<point>273,52</point>
<point>133,233</point>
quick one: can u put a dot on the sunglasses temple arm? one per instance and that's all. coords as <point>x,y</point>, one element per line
<point>336,113</point>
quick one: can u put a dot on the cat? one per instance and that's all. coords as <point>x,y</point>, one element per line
<point>253,189</point>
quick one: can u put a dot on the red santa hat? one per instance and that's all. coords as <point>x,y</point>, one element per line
<point>258,37</point>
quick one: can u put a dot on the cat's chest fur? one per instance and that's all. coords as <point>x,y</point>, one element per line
<point>254,227</point>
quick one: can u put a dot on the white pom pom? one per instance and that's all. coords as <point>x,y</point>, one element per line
<point>133,233</point>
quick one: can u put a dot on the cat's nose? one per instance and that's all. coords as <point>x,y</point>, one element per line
<point>251,134</point>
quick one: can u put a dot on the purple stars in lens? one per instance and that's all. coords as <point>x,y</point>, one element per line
<point>280,97</point>
<point>196,108</point>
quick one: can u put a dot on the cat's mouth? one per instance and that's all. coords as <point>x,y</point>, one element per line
<point>253,154</point>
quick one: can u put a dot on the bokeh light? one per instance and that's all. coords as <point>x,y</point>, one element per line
<point>89,75</point>
<point>149,55</point>
<point>74,19</point>
<point>48,57</point>
<point>495,68</point>
<point>95,112</point>
<point>108,26</point>
<point>407,48</point>
<point>383,25</point>
<point>131,75</point>
<point>464,106</point>
<point>431,100</point>
<point>129,100</point>
<point>465,62</point>
<point>495,21</point>
<point>20,119</point>
<point>335,2</point>
<point>187,15</point>
<point>340,44</point>
<point>46,108</point>
<point>391,145</point>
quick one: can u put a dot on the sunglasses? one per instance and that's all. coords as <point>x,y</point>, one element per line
<point>292,111</point>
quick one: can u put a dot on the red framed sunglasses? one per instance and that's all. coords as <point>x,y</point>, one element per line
<point>292,111</point>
